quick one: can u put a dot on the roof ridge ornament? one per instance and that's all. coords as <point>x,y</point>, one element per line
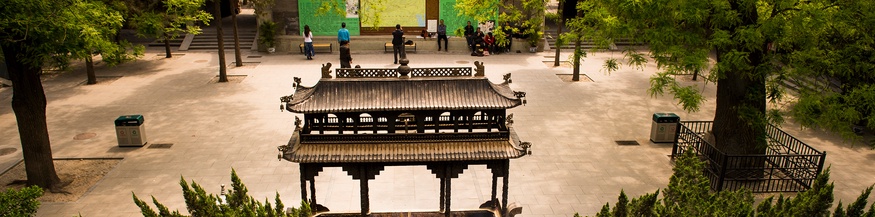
<point>507,79</point>
<point>527,147</point>
<point>285,100</point>
<point>326,70</point>
<point>519,94</point>
<point>297,82</point>
<point>479,68</point>
<point>509,120</point>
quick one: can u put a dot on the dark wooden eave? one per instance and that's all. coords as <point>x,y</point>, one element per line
<point>342,95</point>
<point>401,152</point>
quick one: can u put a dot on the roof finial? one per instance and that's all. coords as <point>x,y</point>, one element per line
<point>326,70</point>
<point>404,69</point>
<point>479,69</point>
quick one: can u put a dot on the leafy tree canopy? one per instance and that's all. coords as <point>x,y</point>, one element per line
<point>758,46</point>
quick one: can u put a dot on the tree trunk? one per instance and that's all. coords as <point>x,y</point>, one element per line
<point>739,122</point>
<point>29,105</point>
<point>167,45</point>
<point>558,34</point>
<point>89,70</point>
<point>237,58</point>
<point>577,56</point>
<point>741,103</point>
<point>223,75</point>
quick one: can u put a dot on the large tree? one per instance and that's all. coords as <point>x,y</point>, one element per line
<point>101,39</point>
<point>176,17</point>
<point>755,43</point>
<point>841,55</point>
<point>32,33</point>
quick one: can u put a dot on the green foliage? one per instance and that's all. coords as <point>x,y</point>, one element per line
<point>689,194</point>
<point>236,202</point>
<point>176,18</point>
<point>262,7</point>
<point>373,17</point>
<point>267,33</point>
<point>67,29</point>
<point>524,17</point>
<point>330,6</point>
<point>20,202</point>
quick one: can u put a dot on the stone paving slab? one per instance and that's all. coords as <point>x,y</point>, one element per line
<point>575,166</point>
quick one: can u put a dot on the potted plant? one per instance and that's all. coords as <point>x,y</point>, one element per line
<point>267,35</point>
<point>533,39</point>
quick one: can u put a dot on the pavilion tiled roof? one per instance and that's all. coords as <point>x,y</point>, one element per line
<point>381,94</point>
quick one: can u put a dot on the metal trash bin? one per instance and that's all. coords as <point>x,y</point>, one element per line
<point>130,131</point>
<point>665,127</point>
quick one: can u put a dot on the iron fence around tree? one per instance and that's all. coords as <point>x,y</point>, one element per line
<point>788,164</point>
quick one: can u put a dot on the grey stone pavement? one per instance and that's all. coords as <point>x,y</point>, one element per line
<point>575,166</point>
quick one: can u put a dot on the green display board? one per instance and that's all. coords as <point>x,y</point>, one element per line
<point>452,18</point>
<point>326,24</point>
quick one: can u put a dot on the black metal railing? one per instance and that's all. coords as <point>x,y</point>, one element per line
<point>788,164</point>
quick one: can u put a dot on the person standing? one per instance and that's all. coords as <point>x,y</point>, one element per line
<point>308,43</point>
<point>345,56</point>
<point>342,34</point>
<point>442,35</point>
<point>398,43</point>
<point>469,35</point>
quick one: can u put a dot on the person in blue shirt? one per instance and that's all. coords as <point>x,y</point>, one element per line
<point>342,34</point>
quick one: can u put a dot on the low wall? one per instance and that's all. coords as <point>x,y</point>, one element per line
<point>376,44</point>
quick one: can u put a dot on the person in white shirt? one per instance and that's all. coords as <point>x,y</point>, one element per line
<point>308,43</point>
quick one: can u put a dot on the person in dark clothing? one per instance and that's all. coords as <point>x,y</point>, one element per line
<point>442,35</point>
<point>469,34</point>
<point>477,41</point>
<point>398,43</point>
<point>345,57</point>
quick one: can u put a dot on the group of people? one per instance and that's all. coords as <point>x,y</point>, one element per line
<point>342,40</point>
<point>479,43</point>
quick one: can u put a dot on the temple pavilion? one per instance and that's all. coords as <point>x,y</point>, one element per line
<point>365,119</point>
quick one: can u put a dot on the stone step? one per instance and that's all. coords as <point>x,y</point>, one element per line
<point>215,47</point>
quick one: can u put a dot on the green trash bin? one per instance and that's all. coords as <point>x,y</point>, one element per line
<point>664,128</point>
<point>130,131</point>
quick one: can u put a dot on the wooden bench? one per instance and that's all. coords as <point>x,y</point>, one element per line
<point>407,47</point>
<point>318,46</point>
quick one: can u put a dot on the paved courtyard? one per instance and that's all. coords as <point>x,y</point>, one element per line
<point>576,166</point>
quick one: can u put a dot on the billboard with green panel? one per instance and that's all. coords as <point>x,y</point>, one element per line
<point>328,23</point>
<point>325,24</point>
<point>452,18</point>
